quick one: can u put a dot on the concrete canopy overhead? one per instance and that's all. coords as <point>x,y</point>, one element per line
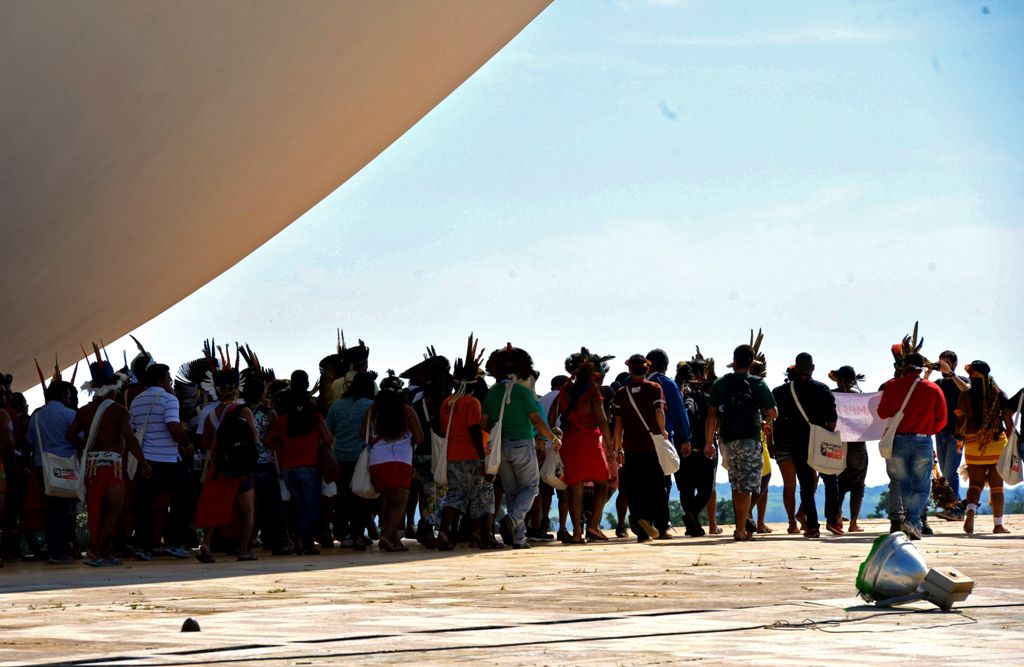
<point>145,147</point>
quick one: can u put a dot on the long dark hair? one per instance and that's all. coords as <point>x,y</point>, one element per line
<point>389,415</point>
<point>299,406</point>
<point>361,387</point>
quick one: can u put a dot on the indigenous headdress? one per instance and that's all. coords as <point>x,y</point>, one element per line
<point>697,366</point>
<point>845,373</point>
<point>760,365</point>
<point>509,361</point>
<point>141,362</point>
<point>254,371</point>
<point>226,377</point>
<point>467,369</point>
<point>358,354</point>
<point>587,362</point>
<point>103,381</point>
<point>334,365</point>
<point>57,375</point>
<point>391,382</point>
<point>434,368</point>
<point>910,344</point>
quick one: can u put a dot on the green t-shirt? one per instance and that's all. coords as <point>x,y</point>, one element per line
<point>720,399</point>
<point>516,424</point>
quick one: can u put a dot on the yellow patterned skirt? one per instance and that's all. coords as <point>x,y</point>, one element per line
<point>979,450</point>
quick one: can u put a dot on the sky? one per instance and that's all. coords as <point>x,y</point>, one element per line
<point>638,174</point>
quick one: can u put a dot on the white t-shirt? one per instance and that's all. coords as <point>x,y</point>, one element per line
<point>392,451</point>
<point>156,408</point>
<point>204,414</point>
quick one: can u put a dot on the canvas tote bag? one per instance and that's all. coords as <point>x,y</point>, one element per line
<point>494,456</point>
<point>885,444</point>
<point>362,483</point>
<point>826,452</point>
<point>668,457</point>
<point>1009,465</point>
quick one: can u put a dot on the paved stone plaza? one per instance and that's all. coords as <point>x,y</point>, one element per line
<point>779,600</point>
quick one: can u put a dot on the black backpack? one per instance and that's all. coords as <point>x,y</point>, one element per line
<point>235,455</point>
<point>739,411</point>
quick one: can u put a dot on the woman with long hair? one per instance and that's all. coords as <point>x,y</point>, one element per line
<point>984,420</point>
<point>584,423</point>
<point>344,420</point>
<point>269,506</point>
<point>297,436</point>
<point>392,431</point>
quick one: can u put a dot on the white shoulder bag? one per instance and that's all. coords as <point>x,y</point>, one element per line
<point>891,424</point>
<point>826,451</point>
<point>1009,465</point>
<point>439,449</point>
<point>668,457</point>
<point>61,476</point>
<point>362,483</point>
<point>494,456</point>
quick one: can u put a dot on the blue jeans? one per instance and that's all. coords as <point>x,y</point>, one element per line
<point>520,479</point>
<point>304,486</point>
<point>911,467</point>
<point>949,460</point>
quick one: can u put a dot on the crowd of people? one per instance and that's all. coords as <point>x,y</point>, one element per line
<point>227,458</point>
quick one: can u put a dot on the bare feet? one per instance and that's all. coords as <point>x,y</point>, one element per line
<point>1000,529</point>
<point>761,528</point>
<point>793,528</point>
<point>596,534</point>
<point>854,528</point>
<point>713,529</point>
<point>969,523</point>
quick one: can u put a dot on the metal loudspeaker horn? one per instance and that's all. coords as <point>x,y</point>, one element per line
<point>894,573</point>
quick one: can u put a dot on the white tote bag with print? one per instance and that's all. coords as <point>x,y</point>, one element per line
<point>62,475</point>
<point>826,451</point>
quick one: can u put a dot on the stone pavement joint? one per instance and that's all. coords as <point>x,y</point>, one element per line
<point>771,601</point>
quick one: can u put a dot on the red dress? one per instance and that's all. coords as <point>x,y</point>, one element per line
<point>582,453</point>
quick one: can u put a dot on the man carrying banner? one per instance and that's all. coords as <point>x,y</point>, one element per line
<point>852,479</point>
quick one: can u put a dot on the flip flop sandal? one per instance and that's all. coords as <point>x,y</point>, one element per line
<point>247,558</point>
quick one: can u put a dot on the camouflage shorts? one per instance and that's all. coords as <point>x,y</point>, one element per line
<point>745,461</point>
<point>467,490</point>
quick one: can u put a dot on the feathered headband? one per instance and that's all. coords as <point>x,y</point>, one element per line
<point>468,370</point>
<point>391,382</point>
<point>845,373</point>
<point>909,345</point>
<point>104,380</point>
<point>760,365</point>
<point>434,368</point>
<point>585,359</point>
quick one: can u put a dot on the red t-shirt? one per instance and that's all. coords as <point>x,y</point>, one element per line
<point>467,414</point>
<point>302,450</point>
<point>926,410</point>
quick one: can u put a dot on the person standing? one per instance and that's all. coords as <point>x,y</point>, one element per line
<point>639,408</point>
<point>793,429</point>
<point>104,462</point>
<point>739,403</point>
<point>852,480</point>
<point>984,422</point>
<point>47,431</point>
<point>947,447</point>
<point>677,423</point>
<point>166,446</point>
<point>585,424</point>
<point>344,420</point>
<point>925,414</point>
<point>518,422</point>
<point>696,475</point>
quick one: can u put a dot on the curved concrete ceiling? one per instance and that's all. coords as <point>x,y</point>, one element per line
<point>146,147</point>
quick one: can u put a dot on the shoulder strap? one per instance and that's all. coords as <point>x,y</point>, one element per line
<point>643,421</point>
<point>506,399</point>
<point>792,390</point>
<point>909,392</point>
<point>39,433</point>
<point>94,429</point>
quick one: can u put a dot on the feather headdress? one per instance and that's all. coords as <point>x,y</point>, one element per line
<point>586,361</point>
<point>909,345</point>
<point>391,382</point>
<point>760,365</point>
<point>434,368</point>
<point>141,362</point>
<point>104,381</point>
<point>467,369</point>
<point>698,367</point>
